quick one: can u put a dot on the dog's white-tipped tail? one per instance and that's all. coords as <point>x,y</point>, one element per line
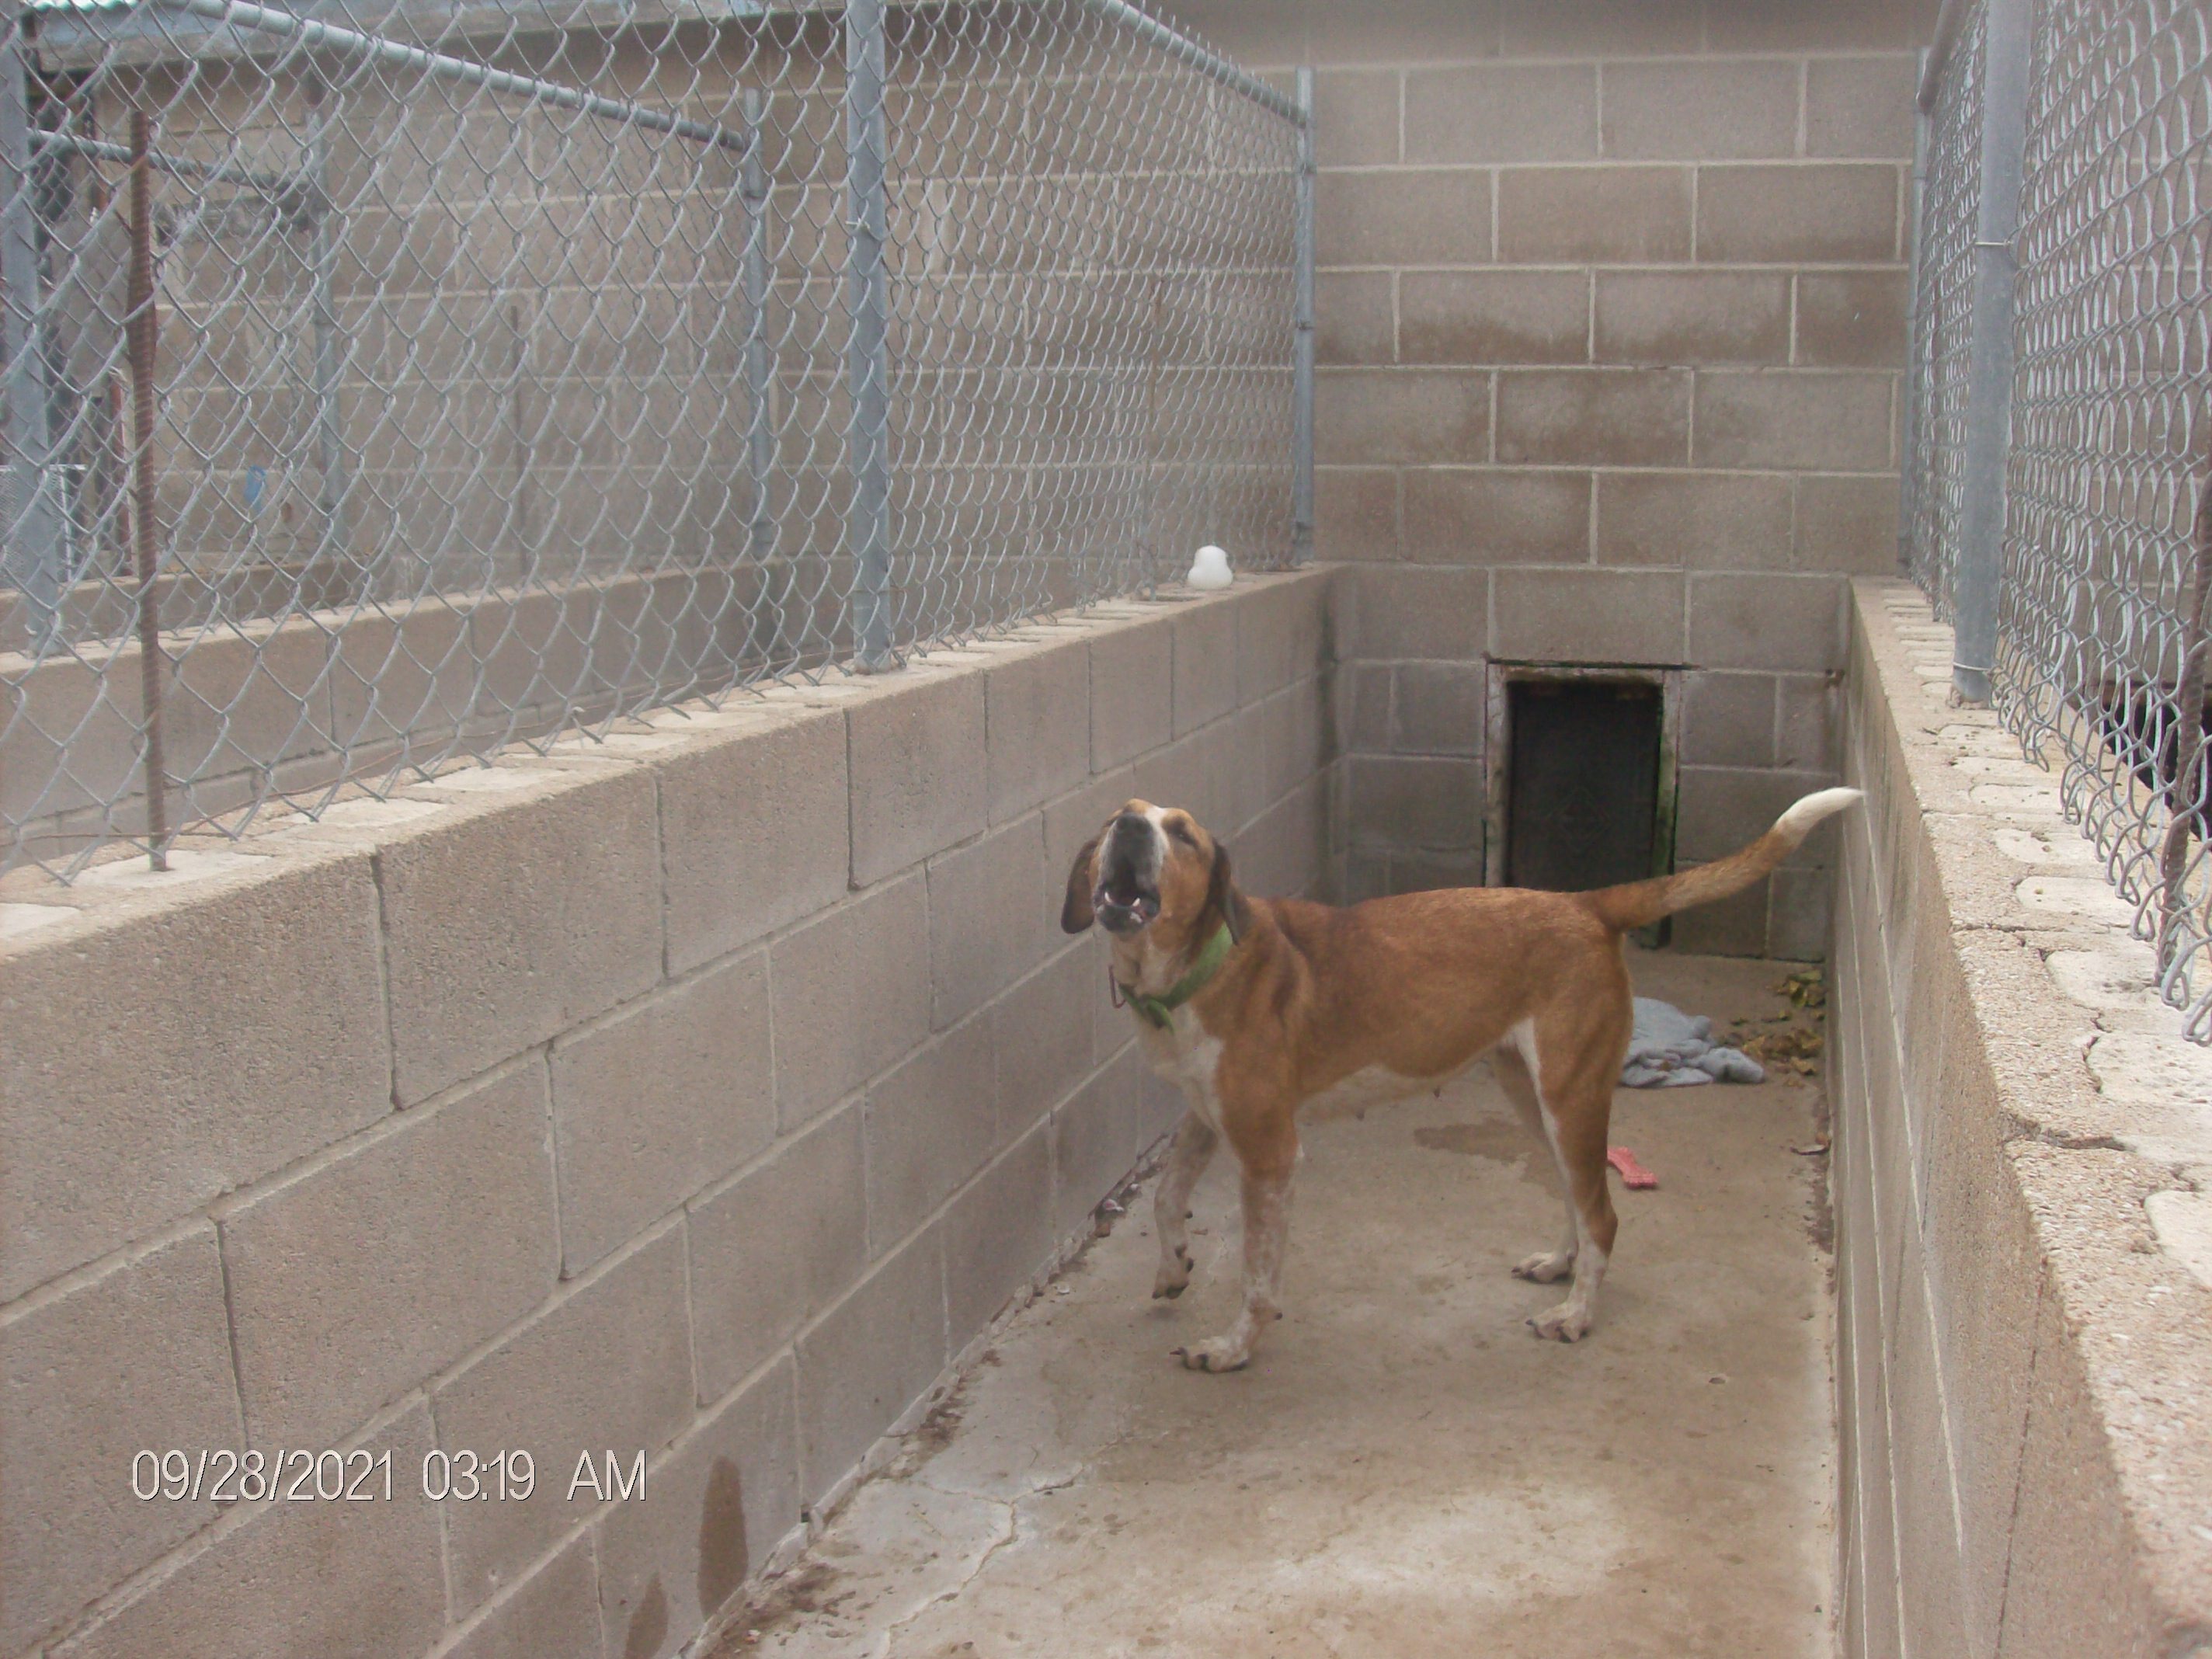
<point>1799,821</point>
<point>1643,902</point>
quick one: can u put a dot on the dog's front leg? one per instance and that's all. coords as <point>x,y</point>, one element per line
<point>1194,1142</point>
<point>1267,1194</point>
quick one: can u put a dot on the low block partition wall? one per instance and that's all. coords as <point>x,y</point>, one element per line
<point>2023,1186</point>
<point>701,1093</point>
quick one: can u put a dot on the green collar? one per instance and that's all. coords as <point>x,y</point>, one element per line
<point>1157,1009</point>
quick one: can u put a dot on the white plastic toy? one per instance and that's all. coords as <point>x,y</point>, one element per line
<point>1210,570</point>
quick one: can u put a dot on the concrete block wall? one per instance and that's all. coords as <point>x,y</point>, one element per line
<point>2020,1148</point>
<point>702,1093</point>
<point>1611,312</point>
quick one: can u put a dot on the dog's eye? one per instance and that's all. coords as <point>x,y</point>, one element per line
<point>1181,832</point>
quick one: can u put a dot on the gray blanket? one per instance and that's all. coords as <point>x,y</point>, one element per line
<point>1671,1049</point>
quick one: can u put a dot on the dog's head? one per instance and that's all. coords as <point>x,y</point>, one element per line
<point>1154,873</point>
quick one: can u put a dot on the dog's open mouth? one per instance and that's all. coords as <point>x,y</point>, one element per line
<point>1123,904</point>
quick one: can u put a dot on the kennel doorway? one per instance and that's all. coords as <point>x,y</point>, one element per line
<point>1581,774</point>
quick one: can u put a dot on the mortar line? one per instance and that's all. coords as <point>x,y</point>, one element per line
<point>376,875</point>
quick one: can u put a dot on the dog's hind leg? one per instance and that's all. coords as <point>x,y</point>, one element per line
<point>1576,1113</point>
<point>1191,1150</point>
<point>1546,1267</point>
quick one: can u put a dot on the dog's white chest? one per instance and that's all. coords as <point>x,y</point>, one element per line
<point>1185,1056</point>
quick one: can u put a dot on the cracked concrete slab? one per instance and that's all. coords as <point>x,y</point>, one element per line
<point>1404,1470</point>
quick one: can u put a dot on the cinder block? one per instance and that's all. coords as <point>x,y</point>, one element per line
<point>1720,809</point>
<point>1355,317</point>
<point>1132,691</point>
<point>930,1125</point>
<point>354,1280</point>
<point>1691,317</point>
<point>1402,217</point>
<point>1484,317</point>
<point>998,1236</point>
<point>1355,513</point>
<point>1094,1142</point>
<point>1694,521</point>
<point>1543,29</point>
<point>1297,740</point>
<point>659,1101</point>
<point>1440,613</point>
<point>850,993</point>
<point>1831,421</point>
<point>517,918</point>
<point>1037,721</point>
<point>1860,106</point>
<point>1502,112</point>
<point>986,918</point>
<point>1783,213</point>
<point>718,1501</point>
<point>920,777</point>
<point>1355,117</point>
<point>1181,774</point>
<point>607,1368</point>
<point>1848,524</point>
<point>1041,1034</point>
<point>256,1034</point>
<point>1588,616</point>
<point>1839,25</point>
<point>1402,416</point>
<point>1284,635</point>
<point>1727,719</point>
<point>1805,723</point>
<point>755,833</point>
<point>138,1357</point>
<point>1366,716</point>
<point>1734,926</point>
<point>1427,872</point>
<point>1852,319</point>
<point>1440,708</point>
<point>1800,917</point>
<point>552,1614</point>
<point>774,1248</point>
<point>1594,417</point>
<point>1410,801</point>
<point>1205,665</point>
<point>1605,215</point>
<point>867,1359</point>
<point>1795,624</point>
<point>1705,110</point>
<point>1494,515</point>
<point>341,1581</point>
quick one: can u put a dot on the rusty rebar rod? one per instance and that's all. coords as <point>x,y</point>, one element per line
<point>143,339</point>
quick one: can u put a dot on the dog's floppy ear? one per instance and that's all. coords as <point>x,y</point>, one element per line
<point>1075,912</point>
<point>1222,897</point>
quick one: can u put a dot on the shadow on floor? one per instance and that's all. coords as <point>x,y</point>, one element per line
<point>1404,1470</point>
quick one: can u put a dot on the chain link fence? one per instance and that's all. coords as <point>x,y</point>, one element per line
<point>387,383</point>
<point>2103,447</point>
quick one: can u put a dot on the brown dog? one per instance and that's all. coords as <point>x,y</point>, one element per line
<point>1255,1006</point>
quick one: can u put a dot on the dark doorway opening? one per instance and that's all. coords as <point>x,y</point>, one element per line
<point>1582,796</point>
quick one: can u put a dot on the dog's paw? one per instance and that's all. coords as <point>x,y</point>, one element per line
<point>1174,1277</point>
<point>1219,1355</point>
<point>1564,1323</point>
<point>1545,1269</point>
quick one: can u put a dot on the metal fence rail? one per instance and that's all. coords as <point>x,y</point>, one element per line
<point>392,381</point>
<point>2104,591</point>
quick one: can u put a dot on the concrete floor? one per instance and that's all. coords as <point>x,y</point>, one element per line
<point>1404,1470</point>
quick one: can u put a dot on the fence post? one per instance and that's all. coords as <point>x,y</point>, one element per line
<point>36,556</point>
<point>867,444</point>
<point>759,427</point>
<point>330,346</point>
<point>1302,338</point>
<point>1908,457</point>
<point>1977,566</point>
